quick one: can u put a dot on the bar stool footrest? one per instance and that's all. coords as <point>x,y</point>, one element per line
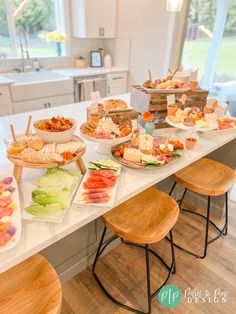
<point>221,233</point>
<point>170,268</point>
<point>103,247</point>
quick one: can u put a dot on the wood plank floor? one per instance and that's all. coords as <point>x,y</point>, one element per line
<point>123,271</point>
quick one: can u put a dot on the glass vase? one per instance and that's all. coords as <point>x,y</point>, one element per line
<point>149,128</point>
<point>58,48</point>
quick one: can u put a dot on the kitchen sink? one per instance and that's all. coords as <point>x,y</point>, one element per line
<point>34,77</point>
<point>33,85</point>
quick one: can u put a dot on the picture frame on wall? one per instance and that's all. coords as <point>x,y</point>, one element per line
<point>95,59</point>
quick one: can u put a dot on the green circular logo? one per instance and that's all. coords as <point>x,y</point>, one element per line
<point>170,296</point>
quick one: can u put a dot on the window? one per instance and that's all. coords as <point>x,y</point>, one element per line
<point>25,23</point>
<point>210,45</point>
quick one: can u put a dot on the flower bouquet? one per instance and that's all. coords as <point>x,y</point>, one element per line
<point>57,38</point>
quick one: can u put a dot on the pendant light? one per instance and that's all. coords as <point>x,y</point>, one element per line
<point>174,5</point>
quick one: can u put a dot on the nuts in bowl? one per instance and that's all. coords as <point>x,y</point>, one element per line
<point>55,130</point>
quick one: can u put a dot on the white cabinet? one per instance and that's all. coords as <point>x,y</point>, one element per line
<point>108,22</point>
<point>94,18</point>
<point>116,83</point>
<point>5,101</point>
<point>30,105</point>
<point>43,103</point>
<point>61,100</point>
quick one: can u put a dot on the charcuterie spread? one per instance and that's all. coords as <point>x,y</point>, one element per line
<point>144,151</point>
<point>53,144</point>
<point>207,119</point>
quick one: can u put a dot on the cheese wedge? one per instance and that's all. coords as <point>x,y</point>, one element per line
<point>148,157</point>
<point>132,154</point>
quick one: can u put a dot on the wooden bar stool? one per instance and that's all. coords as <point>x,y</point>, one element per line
<point>210,178</point>
<point>32,287</point>
<point>142,220</point>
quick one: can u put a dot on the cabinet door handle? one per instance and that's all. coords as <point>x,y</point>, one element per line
<point>45,105</point>
<point>108,89</point>
<point>100,32</point>
<point>117,78</point>
<point>103,31</point>
<point>49,105</point>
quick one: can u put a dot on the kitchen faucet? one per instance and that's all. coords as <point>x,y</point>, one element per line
<point>24,67</point>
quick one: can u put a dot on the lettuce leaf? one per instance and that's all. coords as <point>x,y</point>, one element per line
<point>58,177</point>
<point>40,210</point>
<point>47,197</point>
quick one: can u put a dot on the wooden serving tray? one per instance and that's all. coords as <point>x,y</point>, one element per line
<point>157,102</point>
<point>19,164</point>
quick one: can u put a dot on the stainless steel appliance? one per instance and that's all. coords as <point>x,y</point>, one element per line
<point>91,83</point>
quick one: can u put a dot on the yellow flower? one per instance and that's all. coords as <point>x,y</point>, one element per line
<point>56,37</point>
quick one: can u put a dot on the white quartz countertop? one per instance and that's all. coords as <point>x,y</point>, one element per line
<point>39,235</point>
<point>5,80</point>
<point>55,74</point>
<point>74,72</point>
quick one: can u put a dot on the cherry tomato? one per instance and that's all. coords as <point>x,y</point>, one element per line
<point>117,153</point>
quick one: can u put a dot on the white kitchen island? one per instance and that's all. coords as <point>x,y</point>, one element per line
<point>36,236</point>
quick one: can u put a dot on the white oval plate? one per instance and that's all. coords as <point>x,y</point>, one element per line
<point>211,127</point>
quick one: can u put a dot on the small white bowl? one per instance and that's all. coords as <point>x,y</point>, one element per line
<point>56,137</point>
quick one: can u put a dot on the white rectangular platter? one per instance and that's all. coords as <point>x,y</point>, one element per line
<point>16,217</point>
<point>109,203</point>
<point>28,187</point>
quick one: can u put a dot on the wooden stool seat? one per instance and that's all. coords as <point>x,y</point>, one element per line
<point>145,218</point>
<point>32,287</point>
<point>206,177</point>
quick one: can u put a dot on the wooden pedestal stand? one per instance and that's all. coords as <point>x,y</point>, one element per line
<point>19,164</point>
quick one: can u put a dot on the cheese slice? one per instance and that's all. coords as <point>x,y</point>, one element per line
<point>145,141</point>
<point>132,154</point>
<point>170,147</point>
<point>148,157</point>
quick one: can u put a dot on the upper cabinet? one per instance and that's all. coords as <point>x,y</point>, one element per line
<point>94,18</point>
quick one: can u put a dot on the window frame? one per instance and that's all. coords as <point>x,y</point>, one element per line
<point>62,22</point>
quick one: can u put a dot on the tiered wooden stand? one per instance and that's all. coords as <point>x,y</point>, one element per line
<point>158,102</point>
<point>19,164</point>
<point>131,114</point>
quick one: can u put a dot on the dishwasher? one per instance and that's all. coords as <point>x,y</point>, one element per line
<point>99,83</point>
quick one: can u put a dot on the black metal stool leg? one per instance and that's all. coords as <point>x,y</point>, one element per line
<point>173,187</point>
<point>182,198</point>
<point>148,279</point>
<point>172,252</point>
<point>207,227</point>
<point>99,248</point>
<point>226,215</point>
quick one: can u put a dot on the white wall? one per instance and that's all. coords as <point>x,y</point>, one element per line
<point>150,29</point>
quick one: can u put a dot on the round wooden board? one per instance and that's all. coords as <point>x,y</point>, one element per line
<point>21,163</point>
